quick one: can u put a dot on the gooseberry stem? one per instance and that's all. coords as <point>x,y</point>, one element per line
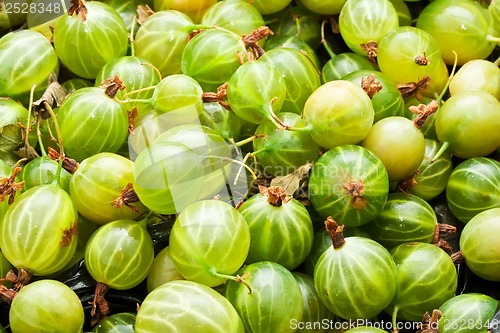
<point>125,98</point>
<point>493,39</point>
<point>497,62</point>
<point>441,150</point>
<point>394,319</point>
<point>248,140</point>
<point>39,136</point>
<point>241,163</point>
<point>57,178</point>
<point>447,85</point>
<point>324,42</point>
<point>237,278</point>
<point>131,38</point>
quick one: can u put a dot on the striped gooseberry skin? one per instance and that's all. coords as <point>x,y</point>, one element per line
<point>356,280</point>
<point>343,64</point>
<point>46,306</point>
<point>91,122</point>
<point>300,75</point>
<point>11,113</point>
<point>209,238</point>
<point>479,244</point>
<point>275,301</point>
<point>301,22</point>
<point>432,176</point>
<point>178,92</point>
<point>448,29</point>
<point>162,270</point>
<point>322,241</point>
<point>212,56</point>
<point>163,172</point>
<point>98,181</point>
<point>161,39</point>
<point>222,120</point>
<point>42,171</point>
<point>84,47</point>
<point>473,187</point>
<point>426,278</point>
<point>329,7</point>
<point>364,21</point>
<point>404,218</point>
<point>388,101</point>
<point>281,234</point>
<point>338,113</point>
<point>186,306</point>
<point>270,7</point>
<point>293,42</point>
<point>473,308</point>
<point>350,184</point>
<point>39,230</point>
<point>255,91</point>
<point>494,10</point>
<point>314,310</point>
<point>214,151</point>
<point>194,9</point>
<point>397,54</point>
<point>123,322</point>
<point>238,16</point>
<point>27,58</point>
<point>280,152</point>
<point>136,73</point>
<point>479,112</point>
<point>119,254</point>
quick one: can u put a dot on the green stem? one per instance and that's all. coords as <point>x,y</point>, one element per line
<point>241,163</point>
<point>394,319</point>
<point>447,85</point>
<point>441,150</point>
<point>57,178</point>
<point>497,62</point>
<point>306,129</point>
<point>493,39</point>
<point>324,42</point>
<point>28,121</point>
<point>125,98</point>
<point>237,278</point>
<point>39,136</point>
<point>132,40</point>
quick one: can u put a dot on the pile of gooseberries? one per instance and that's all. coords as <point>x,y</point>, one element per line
<point>249,166</point>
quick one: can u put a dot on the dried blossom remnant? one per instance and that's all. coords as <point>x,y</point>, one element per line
<point>68,234</point>
<point>18,280</point>
<point>112,86</point>
<point>127,198</point>
<point>78,8</point>
<point>132,115</point>
<point>421,60</point>
<point>9,186</point>
<point>423,112</point>
<point>407,184</point>
<point>371,49</point>
<point>370,85</point>
<point>252,40</point>
<point>410,88</point>
<point>218,97</point>
<point>335,232</point>
<point>430,323</point>
<point>100,307</point>
<point>356,188</point>
<point>193,34</point>
<point>143,13</point>
<point>276,195</point>
<point>69,164</point>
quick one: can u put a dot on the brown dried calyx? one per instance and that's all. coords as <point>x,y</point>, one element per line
<point>407,184</point>
<point>68,164</point>
<point>335,232</point>
<point>423,112</point>
<point>410,88</point>
<point>18,282</point>
<point>100,307</point>
<point>218,97</point>
<point>276,195</point>
<point>78,8</point>
<point>430,323</point>
<point>112,86</point>
<point>52,97</point>
<point>356,188</point>
<point>252,40</point>
<point>9,186</point>
<point>370,85</point>
<point>143,13</point>
<point>441,231</point>
<point>127,198</point>
<point>371,49</point>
